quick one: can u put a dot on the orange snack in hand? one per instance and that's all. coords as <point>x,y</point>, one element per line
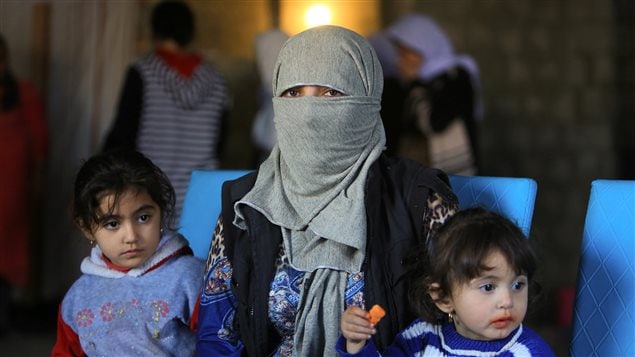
<point>376,313</point>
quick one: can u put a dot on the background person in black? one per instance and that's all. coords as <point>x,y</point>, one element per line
<point>431,104</point>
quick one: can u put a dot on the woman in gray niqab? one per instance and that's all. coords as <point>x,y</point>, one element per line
<point>312,184</point>
<point>293,247</point>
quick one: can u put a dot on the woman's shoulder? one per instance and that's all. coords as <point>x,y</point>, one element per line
<point>240,186</point>
<point>411,174</point>
<point>398,167</point>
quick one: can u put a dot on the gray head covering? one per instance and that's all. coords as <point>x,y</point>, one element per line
<point>312,184</point>
<point>316,174</point>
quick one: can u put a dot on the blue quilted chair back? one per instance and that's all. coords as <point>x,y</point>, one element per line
<point>512,197</point>
<point>509,196</point>
<point>604,312</point>
<point>202,206</point>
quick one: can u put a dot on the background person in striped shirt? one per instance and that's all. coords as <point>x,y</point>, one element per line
<point>173,103</point>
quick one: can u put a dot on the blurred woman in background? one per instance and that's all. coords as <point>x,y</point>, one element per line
<point>23,148</point>
<point>431,104</point>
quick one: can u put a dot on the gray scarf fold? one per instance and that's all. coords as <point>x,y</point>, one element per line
<point>312,185</point>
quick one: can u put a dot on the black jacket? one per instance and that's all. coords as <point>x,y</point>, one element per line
<point>396,196</point>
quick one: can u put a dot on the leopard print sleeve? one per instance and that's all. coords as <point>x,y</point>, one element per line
<point>216,256</point>
<point>217,304</point>
<point>437,212</point>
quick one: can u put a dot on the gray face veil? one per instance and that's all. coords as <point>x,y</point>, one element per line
<point>312,185</point>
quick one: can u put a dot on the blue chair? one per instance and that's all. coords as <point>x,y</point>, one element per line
<point>512,197</point>
<point>202,206</point>
<point>604,307</point>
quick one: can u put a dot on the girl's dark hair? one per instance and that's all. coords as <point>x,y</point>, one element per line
<point>115,172</point>
<point>456,255</point>
<point>173,20</point>
<point>11,97</point>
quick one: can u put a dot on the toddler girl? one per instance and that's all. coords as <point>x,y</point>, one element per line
<point>470,291</point>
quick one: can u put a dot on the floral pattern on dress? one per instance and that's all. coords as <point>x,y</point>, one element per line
<point>219,278</point>
<point>84,317</point>
<point>284,298</point>
<point>227,332</point>
<point>107,312</point>
<point>132,311</point>
<point>159,309</point>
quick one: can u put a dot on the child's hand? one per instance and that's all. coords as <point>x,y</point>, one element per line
<point>356,328</point>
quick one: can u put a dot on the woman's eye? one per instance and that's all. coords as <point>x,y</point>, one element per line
<point>487,287</point>
<point>144,218</point>
<point>290,93</point>
<point>333,93</point>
